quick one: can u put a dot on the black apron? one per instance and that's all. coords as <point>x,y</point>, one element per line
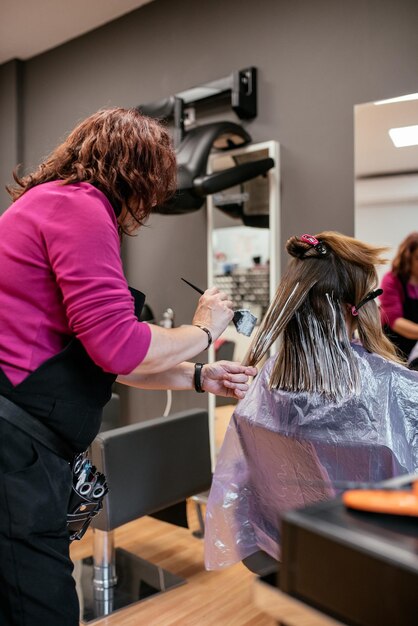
<point>409,312</point>
<point>67,393</point>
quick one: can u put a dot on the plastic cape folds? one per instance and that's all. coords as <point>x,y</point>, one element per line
<point>284,450</point>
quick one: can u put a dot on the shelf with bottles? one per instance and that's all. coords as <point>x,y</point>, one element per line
<point>246,288</point>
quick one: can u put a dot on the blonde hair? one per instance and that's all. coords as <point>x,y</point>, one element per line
<point>310,312</point>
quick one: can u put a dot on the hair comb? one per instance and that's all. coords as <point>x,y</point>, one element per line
<point>370,296</point>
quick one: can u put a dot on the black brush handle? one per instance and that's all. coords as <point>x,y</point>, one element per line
<point>237,314</point>
<point>193,286</point>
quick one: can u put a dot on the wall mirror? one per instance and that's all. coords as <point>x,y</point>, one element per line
<point>386,171</point>
<point>243,254</point>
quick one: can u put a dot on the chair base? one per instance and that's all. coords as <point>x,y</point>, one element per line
<point>137,580</point>
<point>200,499</point>
<point>262,564</point>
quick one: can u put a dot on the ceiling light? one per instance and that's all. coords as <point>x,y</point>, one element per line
<point>404,136</point>
<point>410,96</point>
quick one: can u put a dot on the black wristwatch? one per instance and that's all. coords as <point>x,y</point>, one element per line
<point>198,377</point>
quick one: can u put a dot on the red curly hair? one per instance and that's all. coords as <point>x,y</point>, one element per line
<point>401,264</point>
<point>125,154</point>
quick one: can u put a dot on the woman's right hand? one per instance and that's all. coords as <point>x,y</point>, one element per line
<point>214,311</point>
<point>171,346</point>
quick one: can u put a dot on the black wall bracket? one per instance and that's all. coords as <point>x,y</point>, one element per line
<point>194,143</point>
<point>240,88</point>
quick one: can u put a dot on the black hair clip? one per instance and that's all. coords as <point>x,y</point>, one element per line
<point>319,246</point>
<point>370,296</point>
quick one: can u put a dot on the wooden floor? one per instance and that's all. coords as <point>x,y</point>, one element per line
<point>219,598</point>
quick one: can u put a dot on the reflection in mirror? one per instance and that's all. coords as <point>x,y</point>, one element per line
<point>241,266</point>
<point>386,208</point>
<point>243,255</point>
<point>386,176</point>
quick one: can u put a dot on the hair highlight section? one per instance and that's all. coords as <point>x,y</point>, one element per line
<point>311,317</point>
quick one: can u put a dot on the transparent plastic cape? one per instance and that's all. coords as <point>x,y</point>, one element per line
<point>284,450</point>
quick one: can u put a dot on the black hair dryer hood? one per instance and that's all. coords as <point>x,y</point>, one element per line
<point>193,183</point>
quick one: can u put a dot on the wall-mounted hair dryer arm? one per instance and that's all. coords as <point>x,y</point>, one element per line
<point>212,183</point>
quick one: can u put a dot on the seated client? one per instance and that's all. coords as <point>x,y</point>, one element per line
<point>327,409</point>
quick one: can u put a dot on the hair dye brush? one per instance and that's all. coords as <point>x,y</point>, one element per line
<point>244,321</point>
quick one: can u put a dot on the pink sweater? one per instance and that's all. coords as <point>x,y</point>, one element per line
<point>61,275</point>
<point>392,298</point>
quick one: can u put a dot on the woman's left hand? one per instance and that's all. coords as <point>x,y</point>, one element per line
<point>227,378</point>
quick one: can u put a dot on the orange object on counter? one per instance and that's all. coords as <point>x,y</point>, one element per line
<point>394,502</point>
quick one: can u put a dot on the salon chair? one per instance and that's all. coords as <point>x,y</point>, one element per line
<point>305,472</point>
<point>149,466</point>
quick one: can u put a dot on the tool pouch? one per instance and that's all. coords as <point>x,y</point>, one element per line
<point>88,489</point>
<point>88,485</point>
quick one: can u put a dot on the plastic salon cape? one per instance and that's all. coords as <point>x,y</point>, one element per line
<point>284,450</point>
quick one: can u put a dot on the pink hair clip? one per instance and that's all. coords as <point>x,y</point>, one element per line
<point>313,241</point>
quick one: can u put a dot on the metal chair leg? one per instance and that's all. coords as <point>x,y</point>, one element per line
<point>114,578</point>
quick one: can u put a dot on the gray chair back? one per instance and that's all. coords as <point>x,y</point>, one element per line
<point>152,465</point>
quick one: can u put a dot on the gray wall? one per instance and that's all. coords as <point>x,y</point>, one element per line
<point>316,60</point>
<point>11,123</point>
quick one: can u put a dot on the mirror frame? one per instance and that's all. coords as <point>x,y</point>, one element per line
<point>273,177</point>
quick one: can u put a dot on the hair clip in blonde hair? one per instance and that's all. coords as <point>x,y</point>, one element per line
<point>315,243</point>
<point>370,296</point>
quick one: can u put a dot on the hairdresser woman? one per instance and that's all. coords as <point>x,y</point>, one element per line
<point>68,330</point>
<point>399,301</point>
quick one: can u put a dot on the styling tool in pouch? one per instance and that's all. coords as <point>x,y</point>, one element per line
<point>87,492</point>
<point>244,321</point>
<point>88,485</point>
